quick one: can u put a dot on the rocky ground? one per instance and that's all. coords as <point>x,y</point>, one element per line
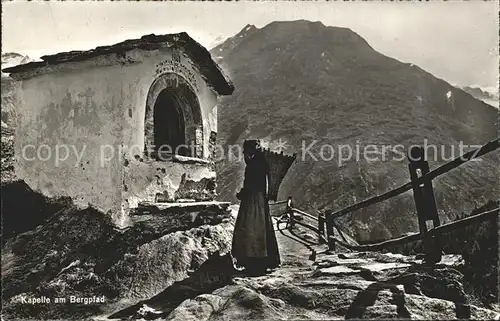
<point>7,153</point>
<point>77,253</point>
<point>176,266</point>
<point>301,84</point>
<point>338,286</point>
<point>314,284</point>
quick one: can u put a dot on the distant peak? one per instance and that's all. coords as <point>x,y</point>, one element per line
<point>300,22</point>
<point>10,59</point>
<point>245,31</point>
<point>11,55</point>
<point>247,28</point>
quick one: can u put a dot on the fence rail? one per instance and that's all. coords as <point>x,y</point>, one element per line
<point>443,229</point>
<point>424,201</point>
<point>488,147</point>
<point>291,218</point>
<point>279,202</point>
<point>295,210</point>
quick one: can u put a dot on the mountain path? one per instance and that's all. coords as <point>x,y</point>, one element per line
<point>332,286</point>
<point>325,286</point>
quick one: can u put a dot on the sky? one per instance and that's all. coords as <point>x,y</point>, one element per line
<point>454,40</point>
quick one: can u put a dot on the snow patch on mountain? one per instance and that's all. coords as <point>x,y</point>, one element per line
<point>232,42</point>
<point>488,94</point>
<point>11,59</point>
<point>217,41</point>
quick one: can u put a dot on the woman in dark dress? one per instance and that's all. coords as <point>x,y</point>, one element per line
<point>254,243</point>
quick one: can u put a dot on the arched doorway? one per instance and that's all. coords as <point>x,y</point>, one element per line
<point>169,128</point>
<point>173,122</point>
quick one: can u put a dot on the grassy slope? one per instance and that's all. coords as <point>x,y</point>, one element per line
<point>304,81</point>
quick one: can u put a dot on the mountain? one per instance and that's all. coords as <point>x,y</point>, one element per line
<point>489,95</point>
<point>10,88</point>
<point>10,59</point>
<point>306,83</point>
<point>217,41</point>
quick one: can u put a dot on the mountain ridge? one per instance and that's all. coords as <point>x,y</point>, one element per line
<point>345,92</point>
<point>302,81</point>
<point>488,95</point>
<point>10,87</point>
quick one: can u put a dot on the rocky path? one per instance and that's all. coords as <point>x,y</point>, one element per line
<point>177,266</point>
<point>339,286</point>
<point>327,286</point>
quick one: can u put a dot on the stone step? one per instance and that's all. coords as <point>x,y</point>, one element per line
<point>189,214</point>
<point>157,207</point>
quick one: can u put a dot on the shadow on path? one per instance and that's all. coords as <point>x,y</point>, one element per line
<point>214,273</point>
<point>368,297</point>
<point>296,237</point>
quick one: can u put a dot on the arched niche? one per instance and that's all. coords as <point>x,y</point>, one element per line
<point>173,119</point>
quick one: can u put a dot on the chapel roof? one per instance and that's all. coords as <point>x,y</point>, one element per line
<point>210,71</point>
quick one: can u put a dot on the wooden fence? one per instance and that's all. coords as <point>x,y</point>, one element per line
<point>421,182</point>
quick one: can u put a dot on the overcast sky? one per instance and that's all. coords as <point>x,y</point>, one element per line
<point>456,41</point>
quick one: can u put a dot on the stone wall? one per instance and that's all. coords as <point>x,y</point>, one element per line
<point>144,180</point>
<point>81,131</point>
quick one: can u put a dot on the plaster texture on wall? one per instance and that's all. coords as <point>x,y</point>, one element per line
<point>79,111</point>
<point>152,67</point>
<point>144,180</point>
<point>96,109</point>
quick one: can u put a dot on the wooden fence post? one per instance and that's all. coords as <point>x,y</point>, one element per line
<point>321,227</point>
<point>329,232</point>
<point>289,210</point>
<point>425,202</point>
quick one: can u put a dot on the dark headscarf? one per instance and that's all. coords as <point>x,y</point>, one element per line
<point>256,166</point>
<point>251,149</point>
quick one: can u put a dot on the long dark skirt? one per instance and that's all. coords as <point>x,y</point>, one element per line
<point>254,241</point>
